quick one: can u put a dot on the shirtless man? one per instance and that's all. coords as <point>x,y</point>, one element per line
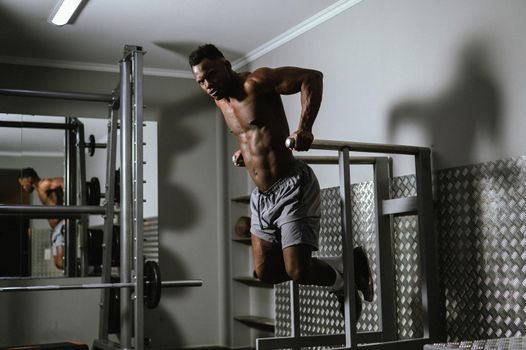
<point>50,192</point>
<point>285,206</point>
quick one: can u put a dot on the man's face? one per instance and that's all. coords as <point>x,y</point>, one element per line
<point>26,184</point>
<point>212,76</point>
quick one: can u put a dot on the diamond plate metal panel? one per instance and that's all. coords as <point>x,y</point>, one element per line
<point>482,234</point>
<point>407,264</point>
<point>319,310</point>
<point>501,344</point>
<point>481,222</point>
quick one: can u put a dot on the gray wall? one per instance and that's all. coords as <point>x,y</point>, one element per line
<point>443,74</point>
<point>188,213</point>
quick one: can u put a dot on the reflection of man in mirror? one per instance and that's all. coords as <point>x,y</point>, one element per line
<point>51,192</point>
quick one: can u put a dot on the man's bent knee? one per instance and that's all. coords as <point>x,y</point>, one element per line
<point>269,275</point>
<point>299,274</point>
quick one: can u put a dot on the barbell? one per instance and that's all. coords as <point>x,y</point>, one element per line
<point>92,145</point>
<point>151,288</point>
<point>93,191</point>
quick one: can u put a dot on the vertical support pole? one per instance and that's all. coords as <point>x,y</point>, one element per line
<point>432,319</point>
<point>384,254</point>
<point>138,224</point>
<point>348,244</point>
<point>295,326</point>
<point>84,220</point>
<point>126,202</point>
<point>109,199</point>
<point>70,262</point>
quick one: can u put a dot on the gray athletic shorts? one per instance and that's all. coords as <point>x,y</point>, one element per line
<point>57,237</point>
<point>288,213</point>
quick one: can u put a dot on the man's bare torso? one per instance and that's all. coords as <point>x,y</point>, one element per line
<point>51,192</point>
<point>258,121</point>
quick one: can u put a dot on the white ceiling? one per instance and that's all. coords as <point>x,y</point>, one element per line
<point>167,29</point>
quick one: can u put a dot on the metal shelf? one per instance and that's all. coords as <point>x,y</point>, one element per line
<point>257,322</point>
<point>253,282</point>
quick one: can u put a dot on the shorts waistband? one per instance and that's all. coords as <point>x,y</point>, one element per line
<point>295,164</point>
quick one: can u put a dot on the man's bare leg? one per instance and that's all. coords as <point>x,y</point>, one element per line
<point>268,261</point>
<point>302,268</point>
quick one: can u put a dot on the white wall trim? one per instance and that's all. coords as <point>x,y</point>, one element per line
<point>322,16</point>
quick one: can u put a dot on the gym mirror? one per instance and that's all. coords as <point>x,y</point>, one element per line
<point>37,169</point>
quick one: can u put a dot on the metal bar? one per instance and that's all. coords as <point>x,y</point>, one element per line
<point>399,206</point>
<point>164,284</point>
<point>61,95</point>
<point>70,254</point>
<point>407,344</point>
<point>384,255</point>
<point>334,160</point>
<point>126,202</point>
<point>347,245</point>
<point>295,342</point>
<point>47,211</point>
<point>314,340</point>
<point>365,147</point>
<point>35,125</point>
<point>109,203</point>
<point>295,325</point>
<point>137,176</point>
<point>84,220</point>
<point>431,300</point>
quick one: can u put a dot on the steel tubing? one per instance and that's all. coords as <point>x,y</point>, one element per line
<point>164,284</point>
<point>50,211</point>
<point>61,95</point>
<point>35,125</point>
<point>334,160</point>
<point>365,147</point>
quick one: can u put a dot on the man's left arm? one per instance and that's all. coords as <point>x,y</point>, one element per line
<point>291,80</point>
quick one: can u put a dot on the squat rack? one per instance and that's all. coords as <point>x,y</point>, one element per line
<point>126,103</point>
<point>422,206</point>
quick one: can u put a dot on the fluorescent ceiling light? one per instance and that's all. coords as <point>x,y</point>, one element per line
<point>63,12</point>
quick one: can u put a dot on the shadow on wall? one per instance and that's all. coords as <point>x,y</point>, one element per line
<point>468,109</point>
<point>160,323</point>
<point>178,208</point>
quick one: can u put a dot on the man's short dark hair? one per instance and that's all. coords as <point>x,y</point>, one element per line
<point>204,51</point>
<point>28,172</point>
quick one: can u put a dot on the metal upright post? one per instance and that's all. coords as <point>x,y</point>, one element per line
<point>126,202</point>
<point>70,263</point>
<point>138,276</point>
<point>84,220</point>
<point>432,319</point>
<point>108,223</point>
<point>384,255</point>
<point>347,244</point>
<point>295,326</point>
